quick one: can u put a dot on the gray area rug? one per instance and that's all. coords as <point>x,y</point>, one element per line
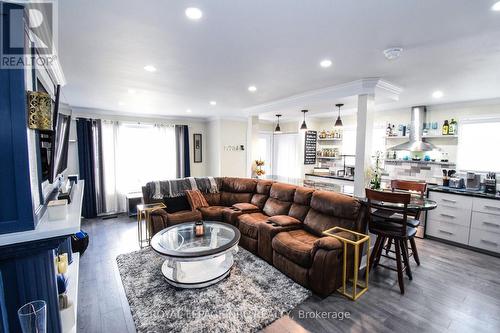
<point>253,296</point>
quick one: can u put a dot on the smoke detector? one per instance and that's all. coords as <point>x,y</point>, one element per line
<point>393,53</point>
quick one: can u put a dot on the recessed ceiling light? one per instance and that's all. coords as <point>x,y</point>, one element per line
<point>393,53</point>
<point>193,13</point>
<point>325,63</point>
<point>496,7</point>
<point>252,88</point>
<point>150,68</point>
<point>213,103</point>
<point>132,91</point>
<point>437,94</point>
<point>188,111</point>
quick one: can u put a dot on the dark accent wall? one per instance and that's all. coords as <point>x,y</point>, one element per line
<point>16,212</point>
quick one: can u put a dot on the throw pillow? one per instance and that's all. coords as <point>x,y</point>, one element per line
<point>196,199</point>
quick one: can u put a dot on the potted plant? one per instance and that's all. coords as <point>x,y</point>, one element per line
<point>376,172</point>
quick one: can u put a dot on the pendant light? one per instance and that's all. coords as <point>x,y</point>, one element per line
<point>338,123</point>
<point>277,130</point>
<point>304,126</point>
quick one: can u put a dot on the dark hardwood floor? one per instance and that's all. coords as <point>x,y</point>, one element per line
<point>454,290</point>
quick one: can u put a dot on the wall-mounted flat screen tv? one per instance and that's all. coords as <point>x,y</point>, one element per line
<point>61,143</point>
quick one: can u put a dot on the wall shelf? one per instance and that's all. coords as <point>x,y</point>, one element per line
<point>425,137</point>
<point>72,292</point>
<point>330,139</point>
<point>328,158</point>
<point>392,161</point>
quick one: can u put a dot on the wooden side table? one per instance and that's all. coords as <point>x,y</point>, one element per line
<point>144,222</point>
<point>358,239</point>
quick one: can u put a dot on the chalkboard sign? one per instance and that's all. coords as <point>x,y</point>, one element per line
<point>311,138</point>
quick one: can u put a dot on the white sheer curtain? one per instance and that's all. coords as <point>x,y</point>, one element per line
<point>286,161</point>
<point>135,154</point>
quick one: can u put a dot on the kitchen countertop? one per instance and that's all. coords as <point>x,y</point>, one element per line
<point>478,194</point>
<point>344,189</point>
<point>329,175</point>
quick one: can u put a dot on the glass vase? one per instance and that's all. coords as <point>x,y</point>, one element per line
<point>33,317</point>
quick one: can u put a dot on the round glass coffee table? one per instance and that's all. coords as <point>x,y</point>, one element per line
<point>196,261</point>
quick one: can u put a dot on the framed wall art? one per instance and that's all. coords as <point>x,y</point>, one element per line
<point>197,146</point>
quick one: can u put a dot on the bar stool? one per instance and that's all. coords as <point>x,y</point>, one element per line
<point>414,216</point>
<point>388,219</point>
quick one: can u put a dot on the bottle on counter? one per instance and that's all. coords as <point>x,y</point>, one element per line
<point>452,128</point>
<point>446,128</point>
<point>388,130</point>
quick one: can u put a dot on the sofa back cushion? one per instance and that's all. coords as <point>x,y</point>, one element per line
<point>239,185</point>
<point>237,190</point>
<point>301,203</point>
<point>261,193</point>
<point>330,209</point>
<point>213,199</point>
<point>280,199</point>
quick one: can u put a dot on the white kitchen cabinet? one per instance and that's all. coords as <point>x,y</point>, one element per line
<point>465,220</point>
<point>451,219</point>
<point>449,231</point>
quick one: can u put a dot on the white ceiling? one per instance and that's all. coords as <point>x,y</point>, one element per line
<point>450,45</point>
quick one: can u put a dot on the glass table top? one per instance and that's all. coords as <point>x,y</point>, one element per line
<point>416,203</point>
<point>180,240</point>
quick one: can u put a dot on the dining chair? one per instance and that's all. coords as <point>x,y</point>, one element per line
<point>388,217</point>
<point>414,221</point>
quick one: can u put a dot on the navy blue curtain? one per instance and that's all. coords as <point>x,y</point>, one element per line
<point>187,165</point>
<point>182,149</point>
<point>86,164</point>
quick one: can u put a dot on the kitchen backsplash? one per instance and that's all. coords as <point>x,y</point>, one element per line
<point>430,172</point>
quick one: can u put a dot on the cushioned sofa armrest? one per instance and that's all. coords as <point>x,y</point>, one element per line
<point>159,212</point>
<point>328,243</point>
<point>159,220</point>
<point>267,231</point>
<point>246,207</point>
<point>284,220</point>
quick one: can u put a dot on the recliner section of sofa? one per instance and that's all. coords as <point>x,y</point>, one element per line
<point>306,255</point>
<point>279,202</point>
<point>283,224</point>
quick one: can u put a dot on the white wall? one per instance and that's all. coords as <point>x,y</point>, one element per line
<point>194,125</point>
<point>233,133</point>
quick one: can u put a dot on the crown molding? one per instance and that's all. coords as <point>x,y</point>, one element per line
<point>370,86</point>
<point>79,111</point>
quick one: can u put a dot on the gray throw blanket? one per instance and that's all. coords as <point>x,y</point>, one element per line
<point>177,187</point>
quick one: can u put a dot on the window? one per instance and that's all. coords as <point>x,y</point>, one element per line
<point>134,154</point>
<point>476,150</point>
<point>348,140</point>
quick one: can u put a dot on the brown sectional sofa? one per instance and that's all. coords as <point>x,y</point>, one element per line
<point>282,224</point>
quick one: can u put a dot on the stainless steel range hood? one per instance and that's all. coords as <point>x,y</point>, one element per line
<point>416,143</point>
